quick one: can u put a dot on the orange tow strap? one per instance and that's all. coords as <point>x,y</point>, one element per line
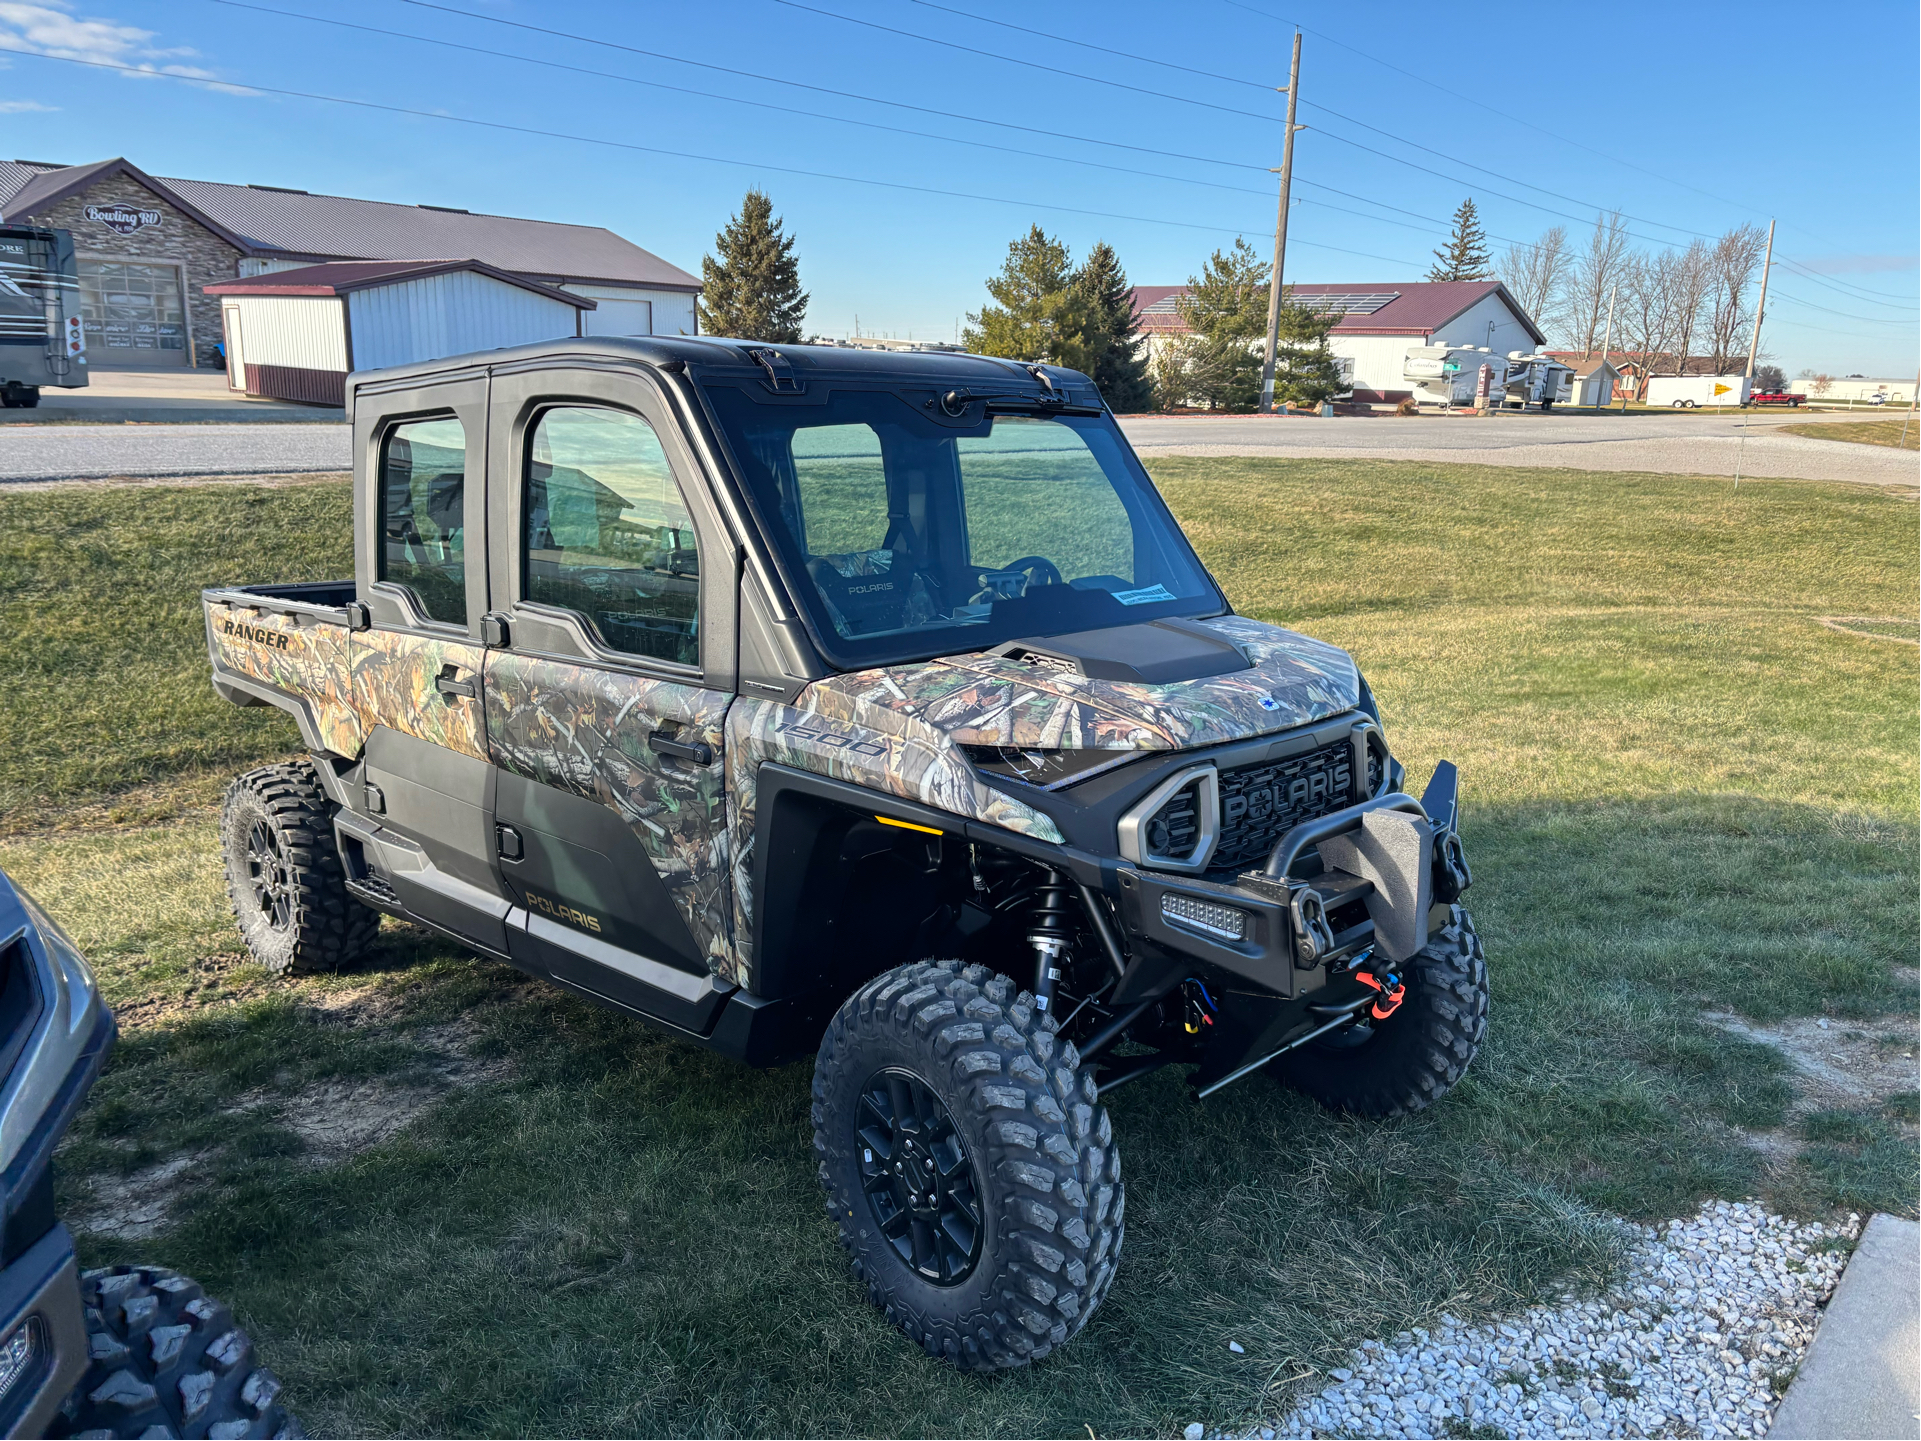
<point>1390,998</point>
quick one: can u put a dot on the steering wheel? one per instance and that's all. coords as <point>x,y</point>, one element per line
<point>1027,565</point>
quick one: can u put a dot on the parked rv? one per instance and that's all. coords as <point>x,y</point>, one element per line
<point>42,339</point>
<point>1537,380</point>
<point>1449,375</point>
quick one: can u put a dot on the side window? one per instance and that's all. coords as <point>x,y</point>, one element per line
<point>423,541</point>
<point>606,533</point>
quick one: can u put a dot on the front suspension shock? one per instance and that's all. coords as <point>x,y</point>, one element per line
<point>1051,929</point>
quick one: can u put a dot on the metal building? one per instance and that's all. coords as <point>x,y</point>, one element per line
<point>296,334</point>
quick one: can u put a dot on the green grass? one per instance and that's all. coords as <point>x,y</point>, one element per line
<point>1905,434</point>
<point>1683,794</point>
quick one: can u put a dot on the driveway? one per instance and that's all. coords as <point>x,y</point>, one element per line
<point>98,452</point>
<point>1639,440</point>
<point>1667,444</point>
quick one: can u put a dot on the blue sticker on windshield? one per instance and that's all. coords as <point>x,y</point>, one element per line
<point>1145,596</point>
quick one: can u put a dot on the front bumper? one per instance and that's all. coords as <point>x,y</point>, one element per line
<point>1382,874</point>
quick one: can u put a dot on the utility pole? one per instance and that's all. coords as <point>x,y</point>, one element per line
<point>1761,305</point>
<point>1280,232</point>
<point>1607,335</point>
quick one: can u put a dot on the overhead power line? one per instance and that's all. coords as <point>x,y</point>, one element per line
<point>1851,291</point>
<point>502,125</point>
<point>1029,64</point>
<point>1327,110</point>
<point>1433,225</point>
<point>1869,319</point>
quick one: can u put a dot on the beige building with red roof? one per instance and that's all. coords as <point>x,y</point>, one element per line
<point>1379,322</point>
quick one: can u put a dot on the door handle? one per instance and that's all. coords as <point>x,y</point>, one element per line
<point>450,687</point>
<point>699,752</point>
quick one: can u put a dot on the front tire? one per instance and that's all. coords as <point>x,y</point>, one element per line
<point>1413,1058</point>
<point>285,876</point>
<point>948,1076</point>
<point>167,1360</point>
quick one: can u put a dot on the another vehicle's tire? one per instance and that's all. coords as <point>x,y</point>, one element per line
<point>969,1169</point>
<point>285,876</point>
<point>1410,1060</point>
<point>167,1360</point>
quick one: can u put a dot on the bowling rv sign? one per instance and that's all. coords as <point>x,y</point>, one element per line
<point>122,219</point>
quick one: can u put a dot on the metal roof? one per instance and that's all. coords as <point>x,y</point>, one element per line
<point>294,224</point>
<point>338,277</point>
<point>1414,308</point>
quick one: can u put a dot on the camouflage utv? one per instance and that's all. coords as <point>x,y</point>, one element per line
<point>871,705</point>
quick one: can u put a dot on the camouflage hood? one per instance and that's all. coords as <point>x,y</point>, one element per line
<point>991,700</point>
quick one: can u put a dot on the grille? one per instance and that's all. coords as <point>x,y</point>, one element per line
<point>1259,803</point>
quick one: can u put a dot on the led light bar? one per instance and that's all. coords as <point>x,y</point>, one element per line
<point>19,1353</point>
<point>1210,918</point>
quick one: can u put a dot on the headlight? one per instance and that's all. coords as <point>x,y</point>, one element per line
<point>1210,918</point>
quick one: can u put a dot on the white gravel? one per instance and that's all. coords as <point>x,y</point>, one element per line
<point>1711,1320</point>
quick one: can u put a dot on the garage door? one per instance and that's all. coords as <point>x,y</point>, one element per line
<point>134,314</point>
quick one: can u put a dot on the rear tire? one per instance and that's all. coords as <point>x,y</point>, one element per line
<point>167,1360</point>
<point>1035,1146</point>
<point>1409,1061</point>
<point>285,876</point>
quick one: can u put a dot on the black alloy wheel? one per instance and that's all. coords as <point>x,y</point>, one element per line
<point>920,1181</point>
<point>267,873</point>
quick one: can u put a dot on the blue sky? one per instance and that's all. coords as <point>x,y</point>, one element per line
<point>1690,119</point>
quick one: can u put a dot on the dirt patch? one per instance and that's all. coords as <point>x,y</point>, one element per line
<point>335,1120</point>
<point>1839,1065</point>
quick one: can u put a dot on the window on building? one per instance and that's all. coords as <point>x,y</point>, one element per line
<point>133,312</point>
<point>607,534</point>
<point>423,494</point>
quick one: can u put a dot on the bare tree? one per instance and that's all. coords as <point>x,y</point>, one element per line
<point>1645,314</point>
<point>1690,276</point>
<point>1736,259</point>
<point>1536,276</point>
<point>1820,384</point>
<point>1595,272</point>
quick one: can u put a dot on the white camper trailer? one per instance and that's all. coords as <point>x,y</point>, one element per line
<point>1685,392</point>
<point>1448,375</point>
<point>1537,380</point>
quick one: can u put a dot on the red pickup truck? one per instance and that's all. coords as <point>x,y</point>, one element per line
<point>1775,397</point>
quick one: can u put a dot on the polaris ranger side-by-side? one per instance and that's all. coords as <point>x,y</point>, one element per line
<point>866,704</point>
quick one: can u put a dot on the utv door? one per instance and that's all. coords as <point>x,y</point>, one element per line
<point>607,692</point>
<point>421,538</point>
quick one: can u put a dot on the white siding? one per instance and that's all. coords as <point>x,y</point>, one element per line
<point>452,314</point>
<point>298,330</point>
<point>1470,327</point>
<point>630,310</point>
<point>1379,360</point>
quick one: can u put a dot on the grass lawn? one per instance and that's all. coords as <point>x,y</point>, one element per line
<point>1904,434</point>
<point>1684,794</point>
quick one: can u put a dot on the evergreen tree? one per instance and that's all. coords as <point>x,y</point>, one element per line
<point>1465,256</point>
<point>1218,362</point>
<point>752,292</point>
<point>1119,360</point>
<point>1041,314</point>
<point>1306,371</point>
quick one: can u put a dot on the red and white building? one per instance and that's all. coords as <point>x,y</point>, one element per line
<point>1379,322</point>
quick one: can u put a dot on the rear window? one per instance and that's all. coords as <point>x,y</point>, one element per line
<point>423,534</point>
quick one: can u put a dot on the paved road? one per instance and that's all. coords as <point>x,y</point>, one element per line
<point>1669,444</point>
<point>94,452</point>
<point>1688,445</point>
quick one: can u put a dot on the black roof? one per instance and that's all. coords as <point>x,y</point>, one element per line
<point>924,367</point>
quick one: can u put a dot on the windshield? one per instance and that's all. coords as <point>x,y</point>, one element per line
<point>907,537</point>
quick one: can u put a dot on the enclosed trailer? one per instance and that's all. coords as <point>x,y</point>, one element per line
<point>1686,392</point>
<point>42,338</point>
<point>297,334</point>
